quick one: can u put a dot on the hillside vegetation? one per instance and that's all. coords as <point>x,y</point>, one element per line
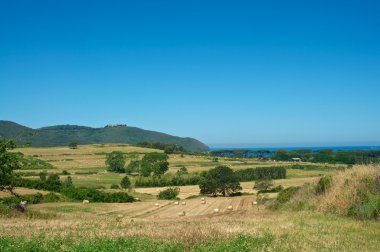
<point>354,192</point>
<point>63,135</point>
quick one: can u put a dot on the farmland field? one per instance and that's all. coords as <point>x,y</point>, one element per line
<point>86,164</point>
<point>156,225</point>
<point>78,224</point>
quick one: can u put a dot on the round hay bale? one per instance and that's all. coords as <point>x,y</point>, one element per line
<point>230,207</point>
<point>184,203</point>
<point>183,213</point>
<point>216,210</point>
<point>176,203</point>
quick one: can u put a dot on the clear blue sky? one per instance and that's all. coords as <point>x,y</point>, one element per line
<point>230,73</point>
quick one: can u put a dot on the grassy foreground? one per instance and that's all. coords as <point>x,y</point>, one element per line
<point>240,243</point>
<point>72,226</point>
<point>261,231</point>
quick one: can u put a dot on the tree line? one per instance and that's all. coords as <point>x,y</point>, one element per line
<point>166,147</point>
<point>242,175</point>
<point>307,155</point>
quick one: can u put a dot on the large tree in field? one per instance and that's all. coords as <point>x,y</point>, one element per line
<point>116,161</point>
<point>8,162</point>
<point>154,162</point>
<point>220,180</point>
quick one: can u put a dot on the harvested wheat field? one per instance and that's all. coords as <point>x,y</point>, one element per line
<point>194,207</point>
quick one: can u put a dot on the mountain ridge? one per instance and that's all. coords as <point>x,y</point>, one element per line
<point>62,135</point>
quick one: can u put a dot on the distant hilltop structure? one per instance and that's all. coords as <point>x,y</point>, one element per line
<point>115,125</point>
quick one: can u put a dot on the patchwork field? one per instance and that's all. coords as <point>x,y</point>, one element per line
<point>86,164</point>
<point>156,225</point>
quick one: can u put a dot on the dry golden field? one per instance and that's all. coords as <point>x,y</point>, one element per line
<point>289,231</point>
<point>200,225</point>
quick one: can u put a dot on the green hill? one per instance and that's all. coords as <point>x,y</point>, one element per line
<point>62,135</point>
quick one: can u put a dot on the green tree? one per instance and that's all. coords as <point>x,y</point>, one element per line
<point>281,155</point>
<point>221,179</point>
<point>8,163</point>
<point>182,170</point>
<point>68,182</point>
<point>170,149</point>
<point>154,162</point>
<point>43,175</point>
<point>73,145</point>
<point>133,166</point>
<point>169,194</point>
<point>116,161</point>
<point>53,183</point>
<point>263,185</point>
<point>324,156</point>
<point>125,183</point>
<point>145,169</point>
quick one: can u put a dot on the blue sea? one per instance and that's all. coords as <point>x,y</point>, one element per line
<point>334,148</point>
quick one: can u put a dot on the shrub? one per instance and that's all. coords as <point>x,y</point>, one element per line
<point>4,209</point>
<point>367,204</point>
<point>31,199</point>
<point>51,197</point>
<point>169,194</point>
<point>68,182</point>
<point>53,183</point>
<point>114,186</point>
<point>366,208</point>
<point>263,185</point>
<point>324,184</point>
<point>32,163</point>
<point>285,195</point>
<point>73,145</point>
<point>182,170</point>
<point>125,183</point>
<point>278,188</point>
<point>64,172</point>
<point>94,195</point>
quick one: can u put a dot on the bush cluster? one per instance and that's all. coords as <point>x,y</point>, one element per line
<point>194,178</point>
<point>285,195</point>
<point>260,173</point>
<point>32,163</point>
<point>167,180</point>
<point>168,194</point>
<point>367,205</point>
<point>324,183</point>
<point>94,195</point>
<point>32,198</point>
<point>52,183</point>
<point>49,183</point>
